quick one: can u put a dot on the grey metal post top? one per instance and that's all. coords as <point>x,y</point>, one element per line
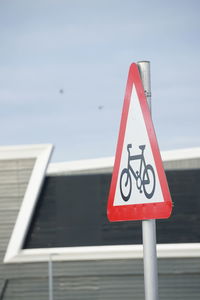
<point>144,69</point>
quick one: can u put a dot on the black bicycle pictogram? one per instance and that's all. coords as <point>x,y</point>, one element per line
<point>145,177</point>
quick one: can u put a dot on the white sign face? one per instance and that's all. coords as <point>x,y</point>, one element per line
<point>138,180</point>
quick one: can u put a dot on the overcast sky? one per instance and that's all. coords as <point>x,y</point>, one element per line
<point>64,67</point>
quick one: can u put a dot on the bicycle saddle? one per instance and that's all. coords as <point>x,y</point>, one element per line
<point>142,147</point>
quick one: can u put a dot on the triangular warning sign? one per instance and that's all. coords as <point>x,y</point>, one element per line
<point>139,188</point>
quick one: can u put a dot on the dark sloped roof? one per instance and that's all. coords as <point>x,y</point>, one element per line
<point>71,211</point>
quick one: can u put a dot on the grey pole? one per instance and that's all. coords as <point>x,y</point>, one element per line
<point>144,69</point>
<point>149,226</point>
<point>50,267</point>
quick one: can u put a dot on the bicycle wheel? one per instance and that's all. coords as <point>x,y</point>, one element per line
<point>125,184</point>
<point>149,181</point>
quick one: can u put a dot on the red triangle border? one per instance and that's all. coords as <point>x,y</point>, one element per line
<point>158,210</point>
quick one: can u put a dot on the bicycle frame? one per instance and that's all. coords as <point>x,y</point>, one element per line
<point>142,163</point>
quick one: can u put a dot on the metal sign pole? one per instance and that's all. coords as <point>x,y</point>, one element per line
<point>50,268</point>
<point>149,226</point>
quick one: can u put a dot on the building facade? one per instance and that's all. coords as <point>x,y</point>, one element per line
<point>56,240</point>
